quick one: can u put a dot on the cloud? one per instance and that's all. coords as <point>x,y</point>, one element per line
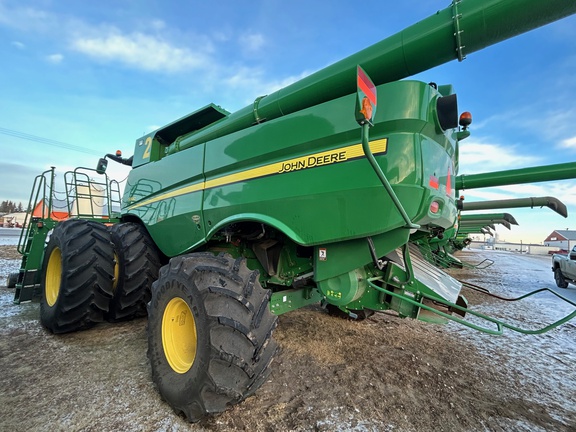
<point>104,42</point>
<point>254,79</point>
<point>555,123</point>
<point>18,45</point>
<point>158,25</point>
<point>25,18</point>
<point>484,157</point>
<point>252,42</point>
<point>569,143</point>
<point>55,58</point>
<point>16,180</point>
<point>135,50</point>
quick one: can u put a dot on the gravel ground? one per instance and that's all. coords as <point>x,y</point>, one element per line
<point>382,374</point>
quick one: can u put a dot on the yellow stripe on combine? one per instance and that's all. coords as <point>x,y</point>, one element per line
<point>296,164</point>
<point>177,192</point>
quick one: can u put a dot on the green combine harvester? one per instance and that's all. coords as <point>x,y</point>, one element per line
<point>314,194</point>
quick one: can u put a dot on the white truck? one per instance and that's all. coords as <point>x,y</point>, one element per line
<point>564,268</point>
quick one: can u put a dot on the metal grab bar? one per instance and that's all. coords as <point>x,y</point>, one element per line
<point>499,324</point>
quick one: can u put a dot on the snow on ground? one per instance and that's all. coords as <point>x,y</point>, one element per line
<point>382,374</point>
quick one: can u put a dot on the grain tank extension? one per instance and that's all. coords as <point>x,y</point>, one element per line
<point>230,219</point>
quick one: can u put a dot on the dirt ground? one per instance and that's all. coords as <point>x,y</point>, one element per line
<point>382,374</point>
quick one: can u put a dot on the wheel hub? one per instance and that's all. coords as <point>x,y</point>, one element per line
<point>179,338</point>
<point>53,277</point>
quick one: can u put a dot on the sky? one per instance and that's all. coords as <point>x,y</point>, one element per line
<point>81,79</point>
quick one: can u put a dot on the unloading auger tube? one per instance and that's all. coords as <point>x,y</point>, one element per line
<point>490,223</point>
<point>493,217</point>
<point>563,171</point>
<point>462,28</point>
<point>553,203</point>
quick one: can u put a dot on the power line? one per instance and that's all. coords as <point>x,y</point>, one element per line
<point>50,142</point>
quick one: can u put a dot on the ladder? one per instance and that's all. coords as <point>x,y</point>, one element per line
<point>85,198</point>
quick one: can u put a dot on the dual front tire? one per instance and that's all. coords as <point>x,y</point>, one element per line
<point>137,262</point>
<point>78,270</point>
<point>93,274</point>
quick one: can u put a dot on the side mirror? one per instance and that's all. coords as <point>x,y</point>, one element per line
<point>102,165</point>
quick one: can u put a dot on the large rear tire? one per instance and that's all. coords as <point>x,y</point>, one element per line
<point>209,333</point>
<point>137,265</point>
<point>77,274</point>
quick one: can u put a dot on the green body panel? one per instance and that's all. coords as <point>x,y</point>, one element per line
<point>343,257</point>
<point>175,221</point>
<point>288,300</point>
<point>31,246</point>
<point>303,174</point>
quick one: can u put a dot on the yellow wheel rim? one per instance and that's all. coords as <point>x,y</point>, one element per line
<point>53,277</point>
<point>116,273</point>
<point>179,338</point>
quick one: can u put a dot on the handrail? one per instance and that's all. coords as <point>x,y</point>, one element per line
<point>382,177</point>
<point>500,325</point>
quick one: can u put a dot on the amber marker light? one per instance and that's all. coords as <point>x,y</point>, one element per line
<point>465,120</point>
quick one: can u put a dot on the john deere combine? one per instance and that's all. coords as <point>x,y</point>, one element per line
<point>311,195</point>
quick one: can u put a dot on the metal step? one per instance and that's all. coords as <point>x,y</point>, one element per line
<point>25,293</point>
<point>441,283</point>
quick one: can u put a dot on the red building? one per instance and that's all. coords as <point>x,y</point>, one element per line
<point>562,239</point>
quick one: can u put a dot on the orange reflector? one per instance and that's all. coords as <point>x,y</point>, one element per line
<point>366,85</point>
<point>434,182</point>
<point>434,207</point>
<point>118,152</point>
<point>366,108</point>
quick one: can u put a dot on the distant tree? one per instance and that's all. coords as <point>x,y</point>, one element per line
<point>8,206</point>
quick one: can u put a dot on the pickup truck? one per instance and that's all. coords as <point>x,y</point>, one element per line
<point>564,268</point>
